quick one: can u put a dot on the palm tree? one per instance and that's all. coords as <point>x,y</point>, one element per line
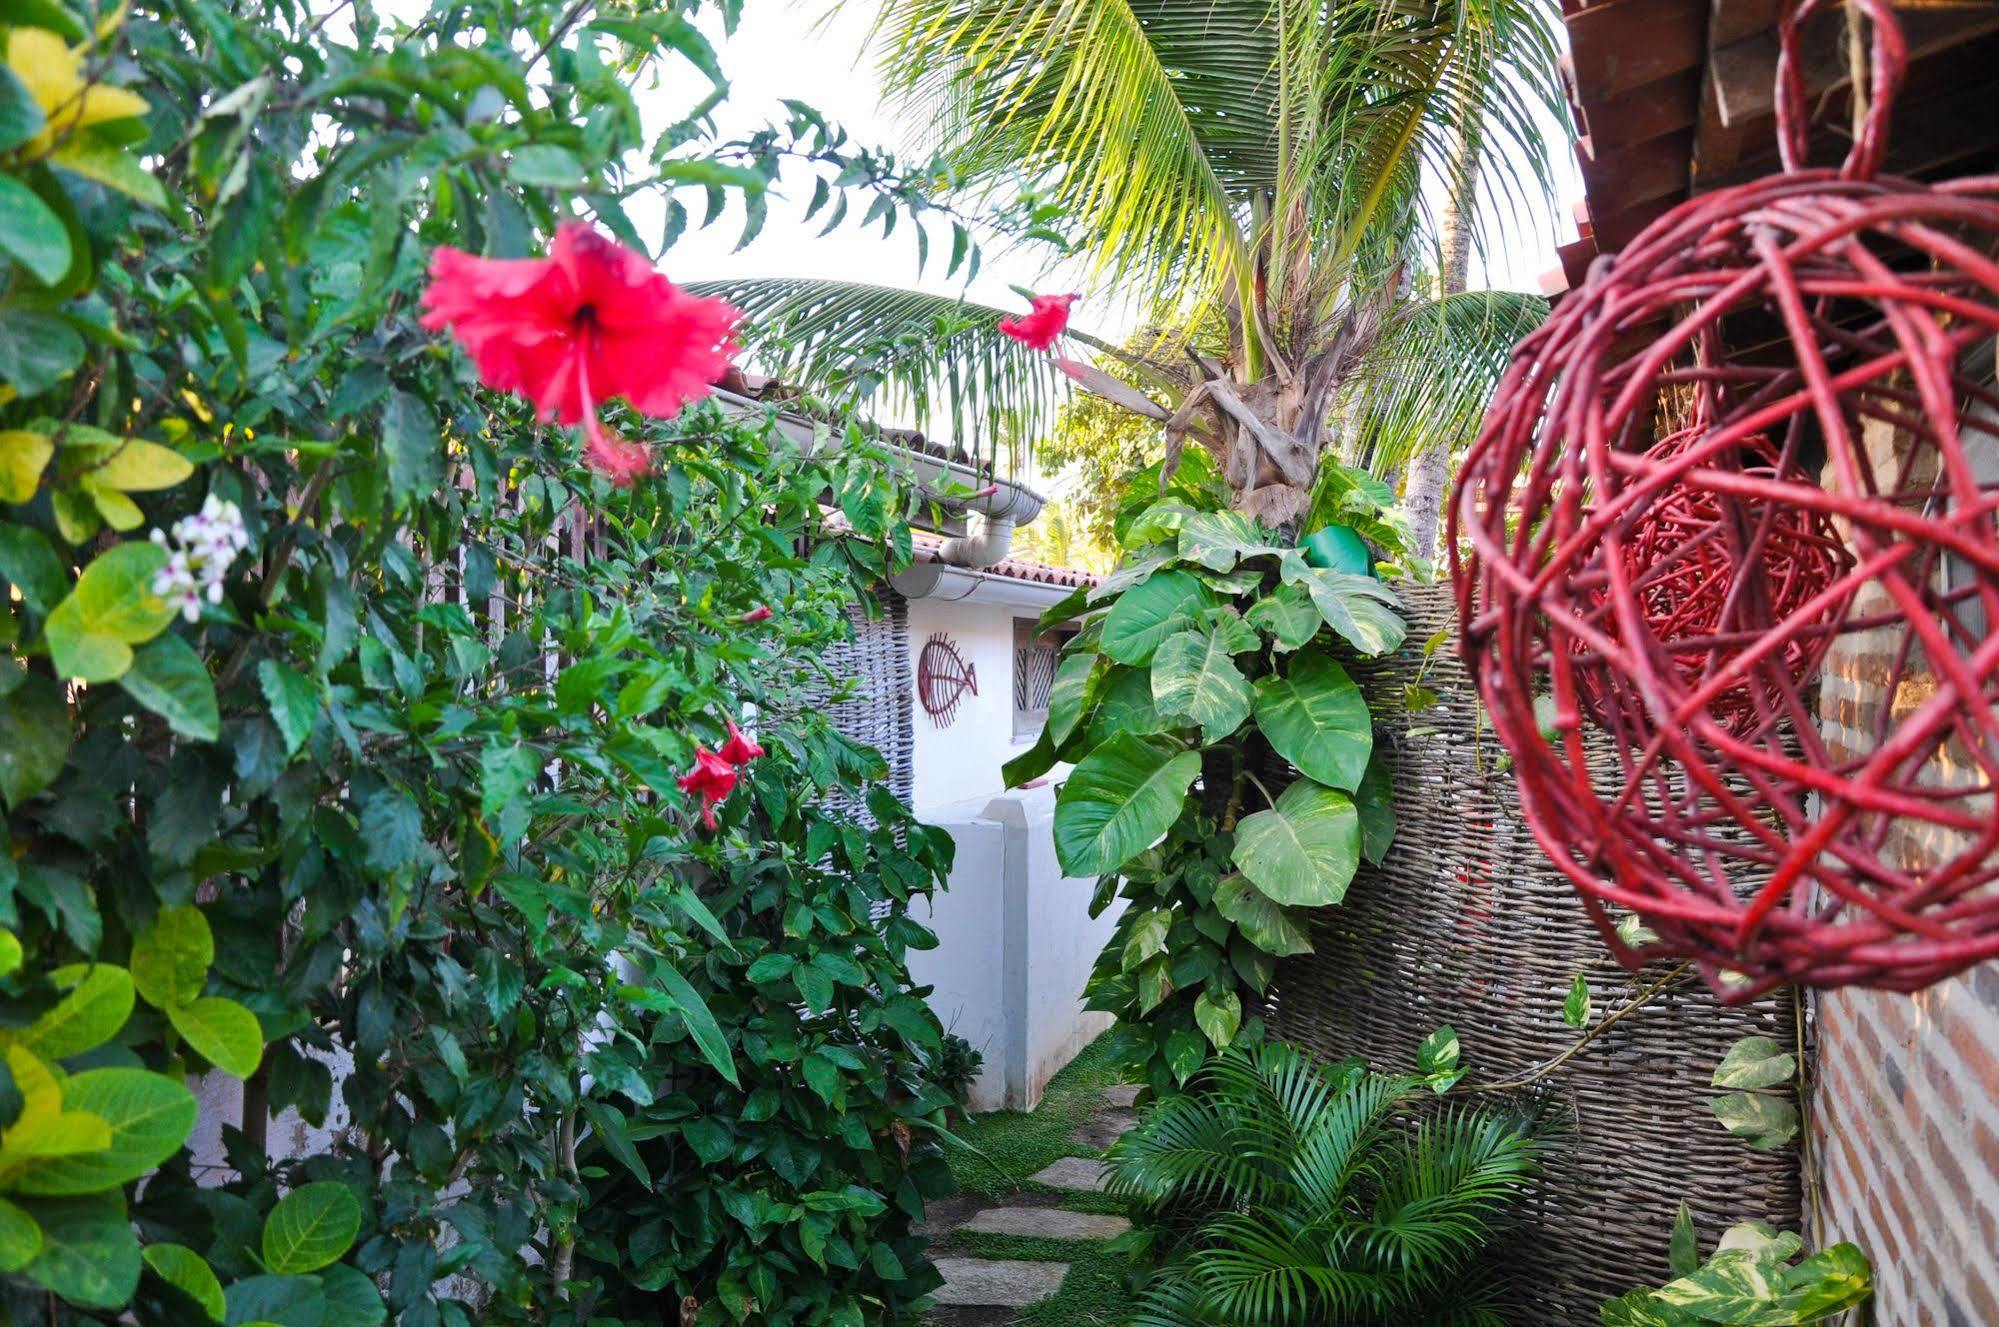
<point>1250,170</point>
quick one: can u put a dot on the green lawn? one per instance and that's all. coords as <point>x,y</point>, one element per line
<point>1013,1145</point>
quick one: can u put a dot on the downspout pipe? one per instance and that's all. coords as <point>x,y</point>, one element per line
<point>988,539</point>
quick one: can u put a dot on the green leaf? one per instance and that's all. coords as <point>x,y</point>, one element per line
<point>21,115</point>
<point>1186,1051</point>
<point>20,1238</point>
<point>98,1002</point>
<point>1193,674</point>
<point>275,1301</point>
<point>37,350</point>
<point>189,1273</point>
<point>505,772</point>
<point>351,1298</point>
<point>1375,800</point>
<point>1359,608</point>
<point>1764,1122</point>
<point>32,234</point>
<point>170,958</point>
<point>414,445</point>
<point>34,738</point>
<point>137,466</point>
<point>1219,1015</point>
<point>1303,850</point>
<point>545,166</point>
<point>30,565</point>
<point>1287,615</point>
<point>24,455</point>
<point>1218,540</point>
<point>110,166</point>
<point>701,1024</point>
<point>1576,1008</point>
<point>222,1032</point>
<point>1150,612</point>
<point>89,1255</point>
<point>168,678</point>
<point>311,1227</point>
<point>1683,1252</point>
<point>1315,717</point>
<point>111,608</point>
<point>1118,801</point>
<point>1068,695</point>
<point>1828,1283</point>
<point>1439,1058</point>
<point>1267,925</point>
<point>1755,1062</point>
<point>294,699</point>
<point>10,954</point>
<point>151,1116</point>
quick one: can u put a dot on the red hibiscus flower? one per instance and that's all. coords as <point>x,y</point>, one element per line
<point>591,321</point>
<point>739,749</point>
<point>713,778</point>
<point>1042,327</point>
<point>761,613</point>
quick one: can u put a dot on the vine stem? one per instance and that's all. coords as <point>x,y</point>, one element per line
<point>1645,998</point>
<point>565,1250</point>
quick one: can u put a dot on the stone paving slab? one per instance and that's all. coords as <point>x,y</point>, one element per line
<point>1083,1174</point>
<point>1104,1128</point>
<point>997,1281</point>
<point>1122,1095</point>
<point>1047,1223</point>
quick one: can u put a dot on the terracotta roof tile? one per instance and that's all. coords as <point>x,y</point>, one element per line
<point>926,546</point>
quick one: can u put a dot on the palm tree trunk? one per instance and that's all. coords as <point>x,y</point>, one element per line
<point>1429,471</point>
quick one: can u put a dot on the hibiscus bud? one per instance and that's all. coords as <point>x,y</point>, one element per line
<point>761,613</point>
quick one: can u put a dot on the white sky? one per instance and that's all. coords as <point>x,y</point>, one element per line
<point>780,50</point>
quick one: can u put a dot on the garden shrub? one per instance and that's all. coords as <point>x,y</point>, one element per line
<point>1225,780</point>
<point>342,715</point>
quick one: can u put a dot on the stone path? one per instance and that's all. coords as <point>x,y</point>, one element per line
<point>987,1292</point>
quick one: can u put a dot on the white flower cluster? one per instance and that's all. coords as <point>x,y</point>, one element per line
<point>204,545</point>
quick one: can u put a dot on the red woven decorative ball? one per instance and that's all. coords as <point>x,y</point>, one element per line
<point>1813,800</point>
<point>1704,591</point>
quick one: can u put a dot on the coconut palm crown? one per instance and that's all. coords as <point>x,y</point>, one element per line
<point>1251,172</point>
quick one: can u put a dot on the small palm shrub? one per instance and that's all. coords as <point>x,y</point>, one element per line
<point>1277,1193</point>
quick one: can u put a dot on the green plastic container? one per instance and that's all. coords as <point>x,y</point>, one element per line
<point>1338,548</point>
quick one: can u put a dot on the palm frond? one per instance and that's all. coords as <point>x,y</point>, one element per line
<point>1428,381</point>
<point>930,358</point>
<point>1148,120</point>
<point>1187,1147</point>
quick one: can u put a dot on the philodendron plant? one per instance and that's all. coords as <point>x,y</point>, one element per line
<point>1753,1279</point>
<point>1225,777</point>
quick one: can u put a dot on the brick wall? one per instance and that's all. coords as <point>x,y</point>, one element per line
<point>1905,1101</point>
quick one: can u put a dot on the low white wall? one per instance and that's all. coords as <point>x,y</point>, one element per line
<point>962,760</point>
<point>1015,944</point>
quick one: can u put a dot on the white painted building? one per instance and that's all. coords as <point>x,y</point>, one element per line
<point>1015,938</point>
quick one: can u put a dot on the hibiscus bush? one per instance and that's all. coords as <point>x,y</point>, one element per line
<point>422,898</point>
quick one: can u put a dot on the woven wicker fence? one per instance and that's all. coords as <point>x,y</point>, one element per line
<point>877,708</point>
<point>1468,924</point>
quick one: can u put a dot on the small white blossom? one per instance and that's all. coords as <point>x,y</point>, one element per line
<point>203,547</point>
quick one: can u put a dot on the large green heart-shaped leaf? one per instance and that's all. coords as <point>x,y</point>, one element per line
<point>1303,850</point>
<point>311,1227</point>
<point>1764,1122</point>
<point>1755,1062</point>
<point>1150,612</point>
<point>1288,615</point>
<point>1218,540</point>
<point>1361,609</point>
<point>1316,718</point>
<point>1118,801</point>
<point>1069,695</point>
<point>1375,800</point>
<point>150,1116</point>
<point>1266,924</point>
<point>1194,674</point>
<point>89,1255</point>
<point>1124,705</point>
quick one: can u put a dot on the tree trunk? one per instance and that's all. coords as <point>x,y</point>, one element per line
<point>1430,471</point>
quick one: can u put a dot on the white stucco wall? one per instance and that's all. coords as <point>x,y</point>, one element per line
<point>962,760</point>
<point>1015,946</point>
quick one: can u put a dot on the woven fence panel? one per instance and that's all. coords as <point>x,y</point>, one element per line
<point>1468,925</point>
<point>877,708</point>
